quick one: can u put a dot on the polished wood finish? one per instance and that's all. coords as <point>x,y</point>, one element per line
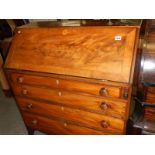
<point>148,72</point>
<point>64,77</point>
<point>148,67</point>
<point>88,119</point>
<point>150,95</point>
<point>79,81</point>
<point>94,89</point>
<point>114,108</point>
<point>149,113</point>
<point>146,84</point>
<point>75,51</point>
<point>61,127</point>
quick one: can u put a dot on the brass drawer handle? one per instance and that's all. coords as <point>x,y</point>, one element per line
<point>104,124</point>
<point>24,92</point>
<point>34,122</point>
<point>29,106</point>
<point>104,106</point>
<point>20,79</point>
<point>103,92</point>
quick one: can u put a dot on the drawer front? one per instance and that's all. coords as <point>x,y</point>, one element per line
<point>52,126</point>
<point>33,80</point>
<point>94,89</point>
<point>149,113</point>
<point>88,119</point>
<point>71,85</point>
<point>150,95</point>
<point>99,105</point>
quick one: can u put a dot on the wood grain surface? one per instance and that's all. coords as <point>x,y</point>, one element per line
<point>115,108</point>
<point>92,52</point>
<point>52,126</point>
<point>80,117</point>
<point>70,85</point>
<point>73,80</point>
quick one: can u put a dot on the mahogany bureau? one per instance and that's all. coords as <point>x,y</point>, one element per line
<point>73,80</point>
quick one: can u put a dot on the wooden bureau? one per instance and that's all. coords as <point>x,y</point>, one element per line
<point>73,80</point>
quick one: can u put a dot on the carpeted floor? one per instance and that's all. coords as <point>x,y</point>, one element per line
<point>11,122</point>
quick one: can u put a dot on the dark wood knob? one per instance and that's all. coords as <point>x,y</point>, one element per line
<point>20,79</point>
<point>104,124</point>
<point>103,92</point>
<point>24,91</point>
<point>104,106</point>
<point>29,106</point>
<point>34,122</point>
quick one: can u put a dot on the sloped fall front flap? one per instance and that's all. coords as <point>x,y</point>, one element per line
<point>92,52</point>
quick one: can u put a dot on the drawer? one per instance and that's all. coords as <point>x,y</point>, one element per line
<point>33,80</point>
<point>149,113</point>
<point>94,89</point>
<point>150,95</point>
<point>52,126</point>
<point>84,118</point>
<point>96,104</point>
<point>71,85</point>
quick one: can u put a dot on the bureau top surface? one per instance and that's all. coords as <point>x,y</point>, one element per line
<point>103,52</point>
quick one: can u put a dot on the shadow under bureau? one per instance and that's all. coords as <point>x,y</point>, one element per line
<point>73,80</point>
